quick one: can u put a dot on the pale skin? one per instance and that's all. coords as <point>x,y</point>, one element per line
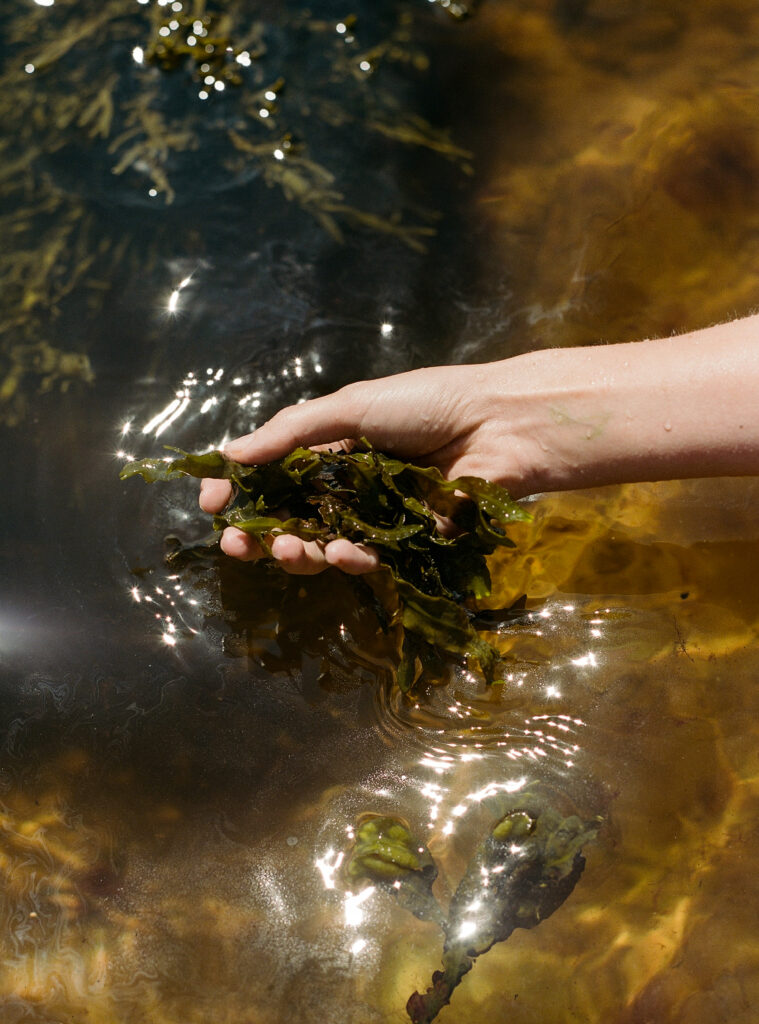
<point>557,419</point>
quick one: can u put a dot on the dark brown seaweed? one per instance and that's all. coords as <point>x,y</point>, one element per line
<point>371,498</point>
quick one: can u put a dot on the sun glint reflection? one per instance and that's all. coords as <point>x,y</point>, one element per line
<point>328,866</point>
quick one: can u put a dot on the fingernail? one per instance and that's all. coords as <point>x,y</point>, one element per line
<point>235,446</point>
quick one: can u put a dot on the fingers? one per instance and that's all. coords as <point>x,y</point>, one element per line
<point>302,558</point>
<point>312,423</point>
<point>306,558</point>
<point>318,421</point>
<point>214,494</point>
<point>354,559</point>
<point>239,545</point>
<point>299,557</point>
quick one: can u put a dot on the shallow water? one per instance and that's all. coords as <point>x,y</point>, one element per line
<point>186,750</point>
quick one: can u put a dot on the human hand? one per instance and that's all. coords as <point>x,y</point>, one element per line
<point>548,420</point>
<point>439,416</point>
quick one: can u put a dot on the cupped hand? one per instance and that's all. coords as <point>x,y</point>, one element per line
<point>439,416</point>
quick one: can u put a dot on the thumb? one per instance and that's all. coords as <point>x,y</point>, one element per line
<point>318,421</point>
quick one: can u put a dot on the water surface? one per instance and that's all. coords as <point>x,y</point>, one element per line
<point>185,751</point>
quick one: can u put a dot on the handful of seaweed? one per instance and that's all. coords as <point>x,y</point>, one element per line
<point>393,505</point>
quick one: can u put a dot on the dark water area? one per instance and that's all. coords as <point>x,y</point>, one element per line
<point>185,749</point>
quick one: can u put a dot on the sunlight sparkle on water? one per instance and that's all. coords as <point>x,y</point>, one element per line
<point>587,660</point>
<point>168,414</point>
<point>354,915</point>
<point>510,786</point>
<point>329,865</point>
<point>436,765</point>
<point>173,302</point>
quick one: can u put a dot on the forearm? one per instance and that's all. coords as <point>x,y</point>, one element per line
<point>678,407</point>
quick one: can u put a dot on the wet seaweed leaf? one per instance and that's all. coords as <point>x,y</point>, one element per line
<point>522,872</point>
<point>387,854</point>
<point>396,507</point>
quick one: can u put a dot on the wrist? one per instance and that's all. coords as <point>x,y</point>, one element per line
<point>651,410</point>
<point>554,419</point>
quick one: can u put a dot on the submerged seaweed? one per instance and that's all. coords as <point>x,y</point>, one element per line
<point>523,870</point>
<point>387,854</point>
<point>396,507</point>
